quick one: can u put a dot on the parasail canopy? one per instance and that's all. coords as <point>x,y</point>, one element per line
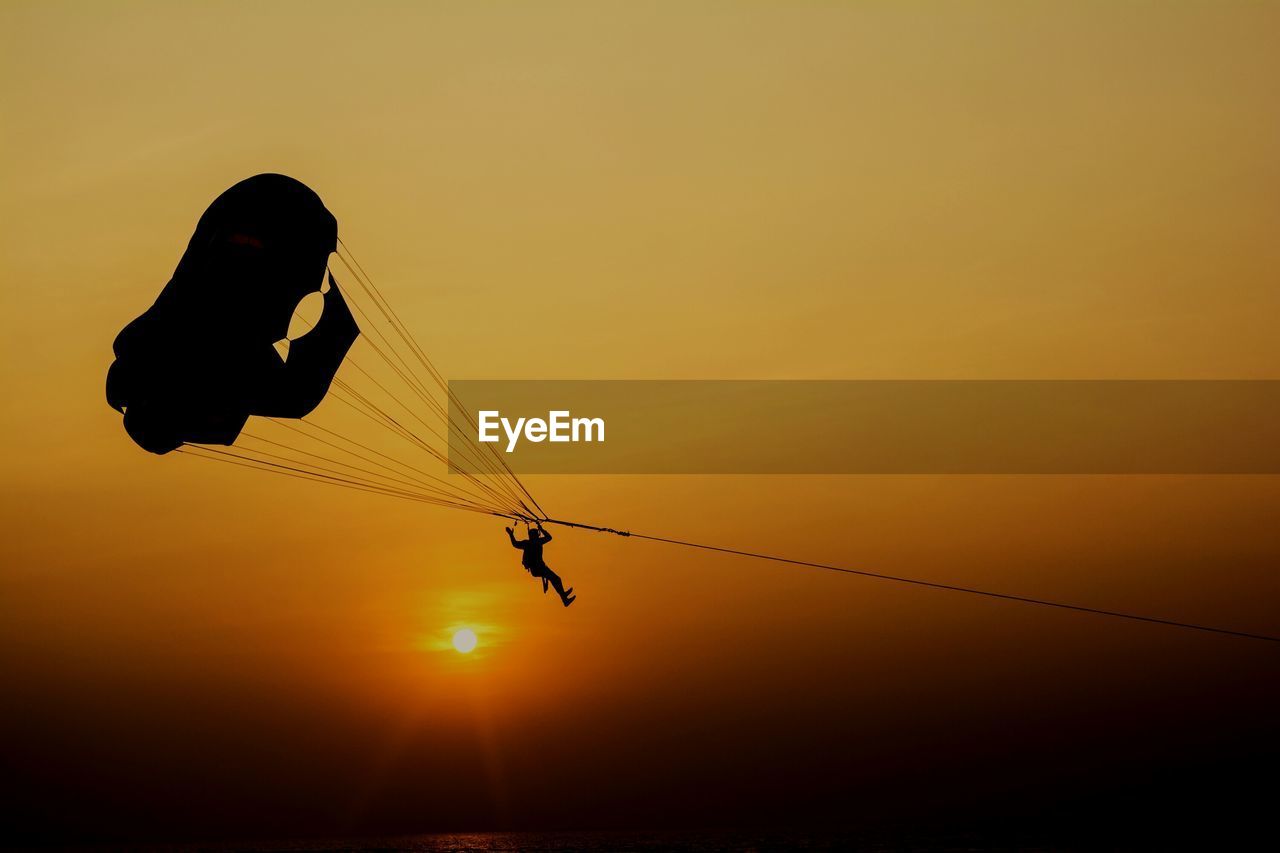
<point>213,352</point>
<point>201,360</point>
<point>195,367</point>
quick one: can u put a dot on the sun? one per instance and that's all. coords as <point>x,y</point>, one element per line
<point>464,640</point>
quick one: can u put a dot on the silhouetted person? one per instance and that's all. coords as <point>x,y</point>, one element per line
<point>532,561</point>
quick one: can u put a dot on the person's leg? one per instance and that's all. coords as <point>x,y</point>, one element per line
<point>548,576</point>
<point>553,579</point>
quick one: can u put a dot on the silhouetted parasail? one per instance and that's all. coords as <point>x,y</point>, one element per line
<point>215,351</point>
<point>202,359</point>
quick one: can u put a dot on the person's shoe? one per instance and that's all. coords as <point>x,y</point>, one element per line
<point>568,599</point>
<point>569,592</point>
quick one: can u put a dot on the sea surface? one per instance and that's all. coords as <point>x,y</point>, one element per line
<point>618,842</point>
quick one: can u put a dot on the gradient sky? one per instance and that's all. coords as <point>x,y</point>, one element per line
<point>668,190</point>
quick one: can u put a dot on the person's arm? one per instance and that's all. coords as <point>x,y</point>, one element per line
<point>512,537</point>
<point>546,537</point>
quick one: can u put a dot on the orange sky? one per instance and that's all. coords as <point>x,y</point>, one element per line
<point>580,190</point>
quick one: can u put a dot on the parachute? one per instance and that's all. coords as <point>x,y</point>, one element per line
<point>194,369</point>
<point>201,360</point>
<point>214,351</point>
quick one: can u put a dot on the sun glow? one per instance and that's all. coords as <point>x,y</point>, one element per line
<point>464,640</point>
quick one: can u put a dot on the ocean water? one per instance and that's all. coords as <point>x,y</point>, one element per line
<point>619,842</point>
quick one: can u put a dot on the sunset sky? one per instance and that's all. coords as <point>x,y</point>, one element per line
<point>642,191</point>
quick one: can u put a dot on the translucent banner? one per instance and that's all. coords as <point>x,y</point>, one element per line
<point>869,427</point>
